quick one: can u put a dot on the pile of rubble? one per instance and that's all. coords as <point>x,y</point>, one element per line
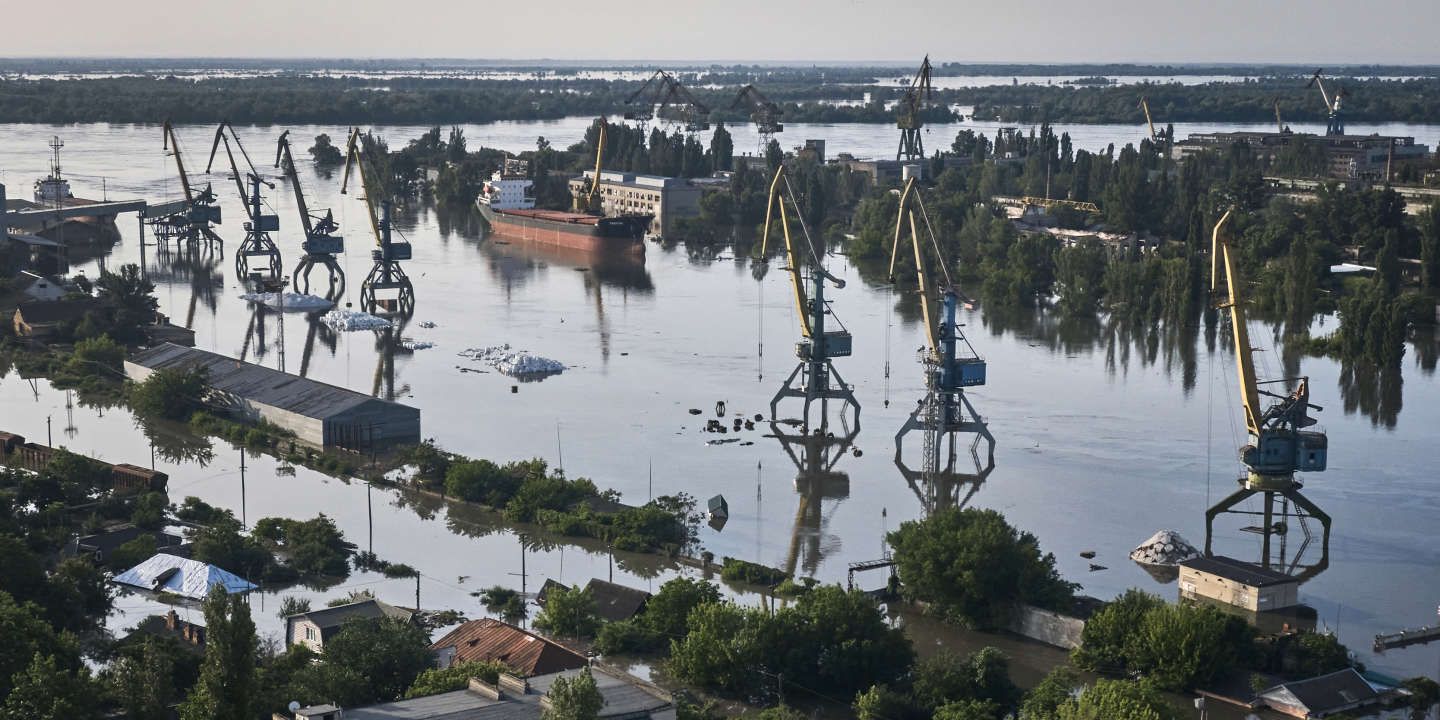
<point>512,362</point>
<point>288,301</point>
<point>350,321</point>
<point>1164,548</point>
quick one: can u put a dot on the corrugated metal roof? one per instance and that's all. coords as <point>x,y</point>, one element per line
<point>260,384</point>
<point>525,653</point>
<point>334,617</point>
<point>1238,571</point>
<point>182,576</point>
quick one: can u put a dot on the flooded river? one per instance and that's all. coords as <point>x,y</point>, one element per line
<point>1102,437</point>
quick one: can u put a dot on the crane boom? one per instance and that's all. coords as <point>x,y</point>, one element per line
<point>354,159</point>
<point>283,148</point>
<point>1145,105</point>
<point>793,259</point>
<point>220,136</point>
<point>172,143</point>
<point>585,202</point>
<point>1244,362</point>
<point>927,291</point>
<point>792,265</point>
<point>1317,81</point>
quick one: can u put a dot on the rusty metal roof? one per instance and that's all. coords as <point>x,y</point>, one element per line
<point>524,653</point>
<point>261,384</point>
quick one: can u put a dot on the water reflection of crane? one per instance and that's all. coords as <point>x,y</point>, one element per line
<point>945,413</point>
<point>197,268</point>
<point>1278,447</point>
<point>387,345</point>
<point>816,373</point>
<point>815,455</point>
<point>316,329</point>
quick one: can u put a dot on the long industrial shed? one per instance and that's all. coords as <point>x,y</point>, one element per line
<point>319,414</point>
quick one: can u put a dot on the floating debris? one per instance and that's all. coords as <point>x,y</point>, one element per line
<point>428,325</point>
<point>696,411</point>
<point>351,320</point>
<point>1096,568</point>
<point>289,301</point>
<point>412,344</point>
<point>515,363</point>
<point>722,441</point>
<point>1164,548</point>
<point>1088,554</point>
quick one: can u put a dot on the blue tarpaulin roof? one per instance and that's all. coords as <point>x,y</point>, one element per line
<point>182,576</point>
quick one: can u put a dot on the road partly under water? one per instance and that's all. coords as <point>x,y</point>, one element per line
<point>1103,436</point>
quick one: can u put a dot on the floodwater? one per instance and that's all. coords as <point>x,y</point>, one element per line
<point>1103,436</point>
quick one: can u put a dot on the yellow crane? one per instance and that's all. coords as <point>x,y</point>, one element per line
<point>1149,122</point>
<point>817,347</point>
<point>1279,446</point>
<point>588,200</point>
<point>387,275</point>
<point>1334,120</point>
<point>944,413</point>
<point>1279,124</point>
<point>908,119</point>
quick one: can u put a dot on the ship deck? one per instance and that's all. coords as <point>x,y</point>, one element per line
<point>560,216</point>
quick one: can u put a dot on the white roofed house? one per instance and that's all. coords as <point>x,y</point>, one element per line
<point>319,414</point>
<point>182,576</point>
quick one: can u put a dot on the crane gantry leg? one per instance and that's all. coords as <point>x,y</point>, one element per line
<point>1275,530</point>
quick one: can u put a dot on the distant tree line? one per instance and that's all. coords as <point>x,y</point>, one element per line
<point>805,95</point>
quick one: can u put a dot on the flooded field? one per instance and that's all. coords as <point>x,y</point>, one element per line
<point>1103,436</point>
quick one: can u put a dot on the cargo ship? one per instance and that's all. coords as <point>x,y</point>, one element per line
<point>507,203</point>
<point>53,191</point>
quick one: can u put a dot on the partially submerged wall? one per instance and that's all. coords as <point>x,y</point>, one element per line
<point>1047,626</point>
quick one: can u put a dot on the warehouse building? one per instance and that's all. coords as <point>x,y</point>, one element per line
<point>1235,582</point>
<point>625,193</point>
<point>319,414</point>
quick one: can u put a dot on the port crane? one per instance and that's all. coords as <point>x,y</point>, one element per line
<point>764,113</point>
<point>321,243</point>
<point>1334,120</point>
<point>1149,122</point>
<point>661,91</point>
<point>198,212</point>
<point>912,101</point>
<point>387,274</point>
<point>1280,125</point>
<point>944,413</point>
<point>818,379</point>
<point>257,244</point>
<point>588,200</point>
<point>1279,446</point>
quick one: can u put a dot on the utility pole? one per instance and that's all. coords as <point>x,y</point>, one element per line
<point>243,521</point>
<point>49,441</point>
<point>417,591</point>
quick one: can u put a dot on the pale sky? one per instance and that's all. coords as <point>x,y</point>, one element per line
<point>1291,31</point>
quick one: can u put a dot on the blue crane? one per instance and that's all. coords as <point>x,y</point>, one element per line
<point>945,413</point>
<point>816,375</point>
<point>322,243</point>
<point>257,245</point>
<point>386,275</point>
<point>1279,446</point>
